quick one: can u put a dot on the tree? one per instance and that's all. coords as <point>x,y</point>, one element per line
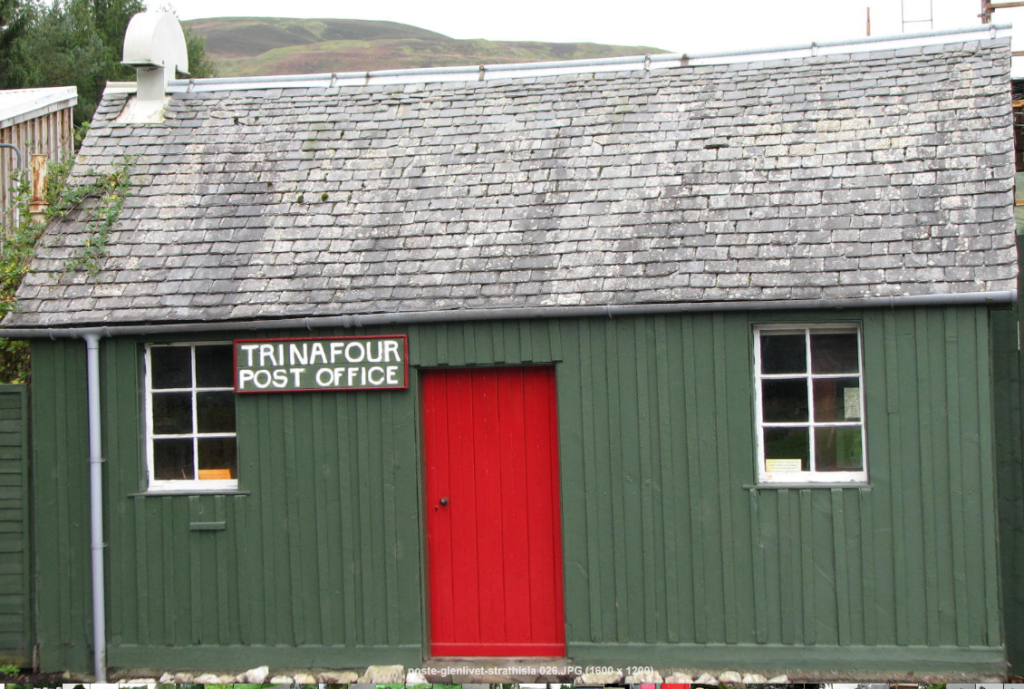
<point>13,22</point>
<point>200,66</point>
<point>73,53</point>
<point>110,18</point>
<point>82,41</point>
<point>81,44</point>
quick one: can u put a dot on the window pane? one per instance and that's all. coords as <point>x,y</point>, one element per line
<point>172,367</point>
<point>215,412</point>
<point>784,400</point>
<point>172,459</point>
<point>783,353</point>
<point>217,458</point>
<point>172,412</point>
<point>214,366</point>
<point>837,399</point>
<point>834,353</point>
<point>788,443</point>
<point>838,449</point>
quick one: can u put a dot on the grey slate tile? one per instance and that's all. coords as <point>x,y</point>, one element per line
<point>835,177</point>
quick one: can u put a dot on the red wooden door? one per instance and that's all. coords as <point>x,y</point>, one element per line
<point>493,517</point>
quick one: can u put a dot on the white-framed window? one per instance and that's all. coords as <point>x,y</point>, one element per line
<point>810,404</point>
<point>190,417</point>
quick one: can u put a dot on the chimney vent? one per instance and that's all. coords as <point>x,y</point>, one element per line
<point>155,45</point>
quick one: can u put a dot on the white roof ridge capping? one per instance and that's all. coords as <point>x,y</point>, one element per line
<point>609,64</point>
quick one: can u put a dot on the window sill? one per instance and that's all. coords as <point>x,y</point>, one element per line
<point>805,486</point>
<point>190,492</point>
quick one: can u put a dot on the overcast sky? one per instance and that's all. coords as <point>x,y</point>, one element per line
<point>692,26</point>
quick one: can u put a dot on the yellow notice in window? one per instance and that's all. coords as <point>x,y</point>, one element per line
<point>784,465</point>
<point>214,474</point>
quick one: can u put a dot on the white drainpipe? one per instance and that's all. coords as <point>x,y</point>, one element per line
<point>99,619</point>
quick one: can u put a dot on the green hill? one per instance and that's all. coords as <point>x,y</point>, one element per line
<point>253,46</point>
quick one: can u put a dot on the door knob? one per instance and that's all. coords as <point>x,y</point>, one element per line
<point>444,501</point>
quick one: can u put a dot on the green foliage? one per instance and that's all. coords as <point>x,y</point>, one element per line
<point>16,253</point>
<point>9,670</point>
<point>13,22</point>
<point>109,191</point>
<point>74,53</point>
<point>77,43</point>
<point>111,17</point>
<point>200,66</point>
<point>73,43</point>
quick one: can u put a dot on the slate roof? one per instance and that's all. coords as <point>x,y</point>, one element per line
<point>842,176</point>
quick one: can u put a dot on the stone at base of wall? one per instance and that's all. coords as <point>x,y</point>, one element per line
<point>257,675</point>
<point>347,677</point>
<point>679,678</point>
<point>394,674</point>
<point>383,674</point>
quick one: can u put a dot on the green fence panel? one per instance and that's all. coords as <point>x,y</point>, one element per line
<point>15,564</point>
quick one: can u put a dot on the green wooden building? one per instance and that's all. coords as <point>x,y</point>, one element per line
<point>680,362</point>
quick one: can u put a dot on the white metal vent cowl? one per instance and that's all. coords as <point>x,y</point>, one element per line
<point>155,45</point>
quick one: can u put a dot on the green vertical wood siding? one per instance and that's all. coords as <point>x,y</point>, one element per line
<point>907,562</point>
<point>672,555</point>
<point>1008,389</point>
<point>1008,365</point>
<point>15,562</point>
<point>60,491</point>
<point>1008,392</point>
